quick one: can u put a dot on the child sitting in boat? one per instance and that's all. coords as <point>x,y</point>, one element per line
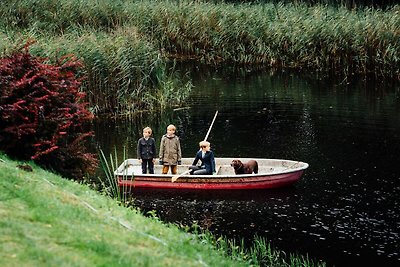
<point>207,160</point>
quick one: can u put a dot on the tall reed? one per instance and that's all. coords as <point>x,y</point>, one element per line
<point>124,73</point>
<point>126,44</point>
<point>259,253</point>
<point>109,181</point>
<point>318,38</point>
<point>59,16</point>
<point>293,35</point>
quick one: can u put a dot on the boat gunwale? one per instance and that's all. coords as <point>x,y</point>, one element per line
<point>214,177</point>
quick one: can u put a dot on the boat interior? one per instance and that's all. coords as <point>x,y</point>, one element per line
<point>223,167</point>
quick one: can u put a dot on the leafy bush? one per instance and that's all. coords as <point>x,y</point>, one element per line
<point>42,115</point>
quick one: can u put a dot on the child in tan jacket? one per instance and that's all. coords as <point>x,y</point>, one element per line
<point>170,151</point>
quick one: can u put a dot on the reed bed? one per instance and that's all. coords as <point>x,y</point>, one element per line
<point>58,16</point>
<point>123,73</point>
<point>125,44</point>
<point>318,38</point>
<point>292,36</point>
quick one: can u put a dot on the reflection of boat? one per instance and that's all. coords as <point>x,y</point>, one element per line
<point>147,196</point>
<point>272,173</point>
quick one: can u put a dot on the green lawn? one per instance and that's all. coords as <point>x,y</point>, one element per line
<point>46,220</point>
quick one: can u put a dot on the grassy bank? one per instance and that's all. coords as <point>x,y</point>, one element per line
<point>49,221</point>
<point>46,220</point>
<point>125,44</point>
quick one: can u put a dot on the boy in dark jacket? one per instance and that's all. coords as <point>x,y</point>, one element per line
<point>206,156</point>
<point>146,151</point>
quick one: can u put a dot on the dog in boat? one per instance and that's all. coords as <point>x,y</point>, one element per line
<point>244,168</point>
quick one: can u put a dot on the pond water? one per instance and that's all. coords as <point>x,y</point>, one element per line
<point>346,208</point>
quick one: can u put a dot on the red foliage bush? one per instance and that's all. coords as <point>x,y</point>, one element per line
<point>42,113</point>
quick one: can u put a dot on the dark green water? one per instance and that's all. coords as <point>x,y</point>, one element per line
<point>346,208</point>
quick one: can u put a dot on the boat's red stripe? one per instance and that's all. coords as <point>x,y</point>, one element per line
<point>270,182</point>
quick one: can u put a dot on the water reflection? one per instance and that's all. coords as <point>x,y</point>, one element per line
<point>346,208</point>
<point>217,211</point>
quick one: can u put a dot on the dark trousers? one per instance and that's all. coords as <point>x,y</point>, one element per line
<point>198,170</point>
<point>147,163</point>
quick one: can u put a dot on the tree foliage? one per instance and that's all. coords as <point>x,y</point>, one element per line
<point>42,113</point>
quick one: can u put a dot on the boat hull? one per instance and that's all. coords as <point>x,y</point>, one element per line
<point>272,174</point>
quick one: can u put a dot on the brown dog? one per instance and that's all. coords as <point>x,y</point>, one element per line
<point>245,168</point>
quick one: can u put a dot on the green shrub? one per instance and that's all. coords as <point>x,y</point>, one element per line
<point>42,116</point>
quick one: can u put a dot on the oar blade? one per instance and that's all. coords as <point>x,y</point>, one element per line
<point>176,177</point>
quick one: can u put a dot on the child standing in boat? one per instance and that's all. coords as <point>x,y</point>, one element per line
<point>146,151</point>
<point>170,151</point>
<point>207,160</point>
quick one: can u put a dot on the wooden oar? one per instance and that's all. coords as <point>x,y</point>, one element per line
<point>209,130</point>
<point>175,177</point>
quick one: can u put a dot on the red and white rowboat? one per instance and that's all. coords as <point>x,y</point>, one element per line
<point>272,173</point>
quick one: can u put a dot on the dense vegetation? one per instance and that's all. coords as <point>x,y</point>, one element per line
<point>346,3</point>
<point>42,113</point>
<point>125,44</point>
